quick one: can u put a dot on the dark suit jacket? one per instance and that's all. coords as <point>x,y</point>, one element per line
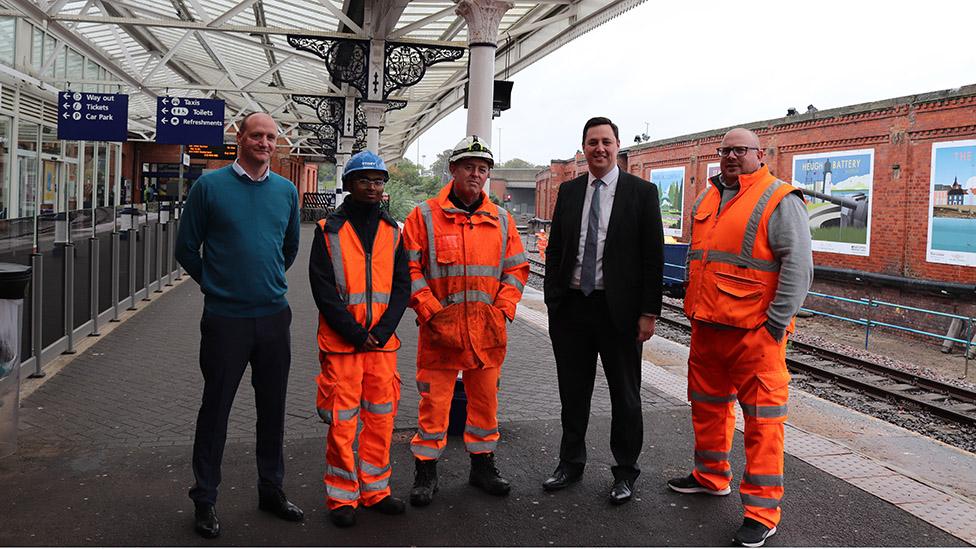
<point>633,255</point>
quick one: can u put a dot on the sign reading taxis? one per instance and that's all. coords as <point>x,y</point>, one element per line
<point>186,120</point>
<point>212,152</point>
<point>87,116</point>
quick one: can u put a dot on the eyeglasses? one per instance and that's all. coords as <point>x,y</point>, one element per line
<point>737,151</point>
<point>379,181</point>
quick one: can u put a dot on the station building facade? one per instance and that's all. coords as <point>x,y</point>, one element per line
<point>904,170</point>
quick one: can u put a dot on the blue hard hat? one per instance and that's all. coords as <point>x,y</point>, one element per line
<point>364,160</point>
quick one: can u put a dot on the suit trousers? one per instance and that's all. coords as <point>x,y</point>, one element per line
<point>580,329</point>
<point>227,345</point>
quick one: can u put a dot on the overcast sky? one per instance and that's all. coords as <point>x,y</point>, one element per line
<point>689,66</point>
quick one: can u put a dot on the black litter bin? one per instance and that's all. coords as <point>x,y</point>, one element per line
<point>14,281</point>
<point>459,410</point>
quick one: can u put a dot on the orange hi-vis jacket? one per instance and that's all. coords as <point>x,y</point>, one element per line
<point>732,273</point>
<point>467,274</point>
<point>364,281</point>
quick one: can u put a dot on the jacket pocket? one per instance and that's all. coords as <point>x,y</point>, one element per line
<point>448,249</point>
<point>732,300</point>
<point>443,330</point>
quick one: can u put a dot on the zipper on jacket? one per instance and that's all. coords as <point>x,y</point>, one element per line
<point>369,290</point>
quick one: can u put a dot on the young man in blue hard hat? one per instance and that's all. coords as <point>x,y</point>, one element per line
<point>361,285</point>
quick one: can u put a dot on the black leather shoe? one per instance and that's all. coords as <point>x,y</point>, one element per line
<point>389,506</point>
<point>560,479</point>
<point>277,504</point>
<point>621,492</point>
<point>344,516</point>
<point>205,520</point>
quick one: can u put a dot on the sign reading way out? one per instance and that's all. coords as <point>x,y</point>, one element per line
<point>186,120</point>
<point>86,116</point>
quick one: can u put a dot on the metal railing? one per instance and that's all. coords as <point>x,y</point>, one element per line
<point>86,268</point>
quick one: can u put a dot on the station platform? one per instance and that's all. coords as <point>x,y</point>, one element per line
<point>105,446</point>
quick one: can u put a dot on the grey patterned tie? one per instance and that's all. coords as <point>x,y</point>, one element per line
<point>588,273</point>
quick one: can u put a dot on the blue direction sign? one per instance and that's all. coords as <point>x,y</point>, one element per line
<point>189,121</point>
<point>89,116</point>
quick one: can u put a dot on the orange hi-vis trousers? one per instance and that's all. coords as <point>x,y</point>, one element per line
<point>352,387</point>
<point>724,365</point>
<point>436,389</point>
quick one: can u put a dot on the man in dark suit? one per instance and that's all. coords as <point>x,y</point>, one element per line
<point>604,264</point>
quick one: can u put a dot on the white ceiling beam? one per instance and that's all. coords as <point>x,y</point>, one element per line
<point>165,59</point>
<point>270,70</point>
<point>328,5</point>
<point>420,23</point>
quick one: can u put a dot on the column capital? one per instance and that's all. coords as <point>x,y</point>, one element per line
<point>483,18</point>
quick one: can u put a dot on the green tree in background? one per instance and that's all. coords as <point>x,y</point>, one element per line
<point>517,163</point>
<point>407,187</point>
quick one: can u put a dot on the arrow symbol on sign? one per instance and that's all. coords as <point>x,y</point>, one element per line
<point>66,116</point>
<point>166,101</point>
<point>67,105</point>
<point>164,121</point>
<point>165,110</point>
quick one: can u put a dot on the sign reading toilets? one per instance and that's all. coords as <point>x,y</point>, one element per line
<point>837,186</point>
<point>189,121</point>
<point>85,116</point>
<point>670,189</point>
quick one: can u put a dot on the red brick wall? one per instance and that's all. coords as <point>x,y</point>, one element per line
<point>900,132</point>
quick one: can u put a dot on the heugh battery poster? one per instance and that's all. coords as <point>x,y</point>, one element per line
<point>837,186</point>
<point>952,204</point>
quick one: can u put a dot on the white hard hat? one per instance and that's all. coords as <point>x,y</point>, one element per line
<point>472,147</point>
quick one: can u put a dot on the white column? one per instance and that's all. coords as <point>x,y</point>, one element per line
<point>482,17</point>
<point>342,157</point>
<point>374,119</point>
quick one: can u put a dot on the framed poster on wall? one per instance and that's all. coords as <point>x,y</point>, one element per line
<point>837,186</point>
<point>670,187</point>
<point>952,204</point>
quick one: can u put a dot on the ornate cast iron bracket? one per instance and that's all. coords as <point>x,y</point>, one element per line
<point>406,64</point>
<point>346,59</point>
<point>330,110</point>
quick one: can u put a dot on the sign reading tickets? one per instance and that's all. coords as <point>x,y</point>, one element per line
<point>85,116</point>
<point>670,187</point>
<point>837,187</point>
<point>186,120</point>
<point>952,204</point>
<point>212,152</point>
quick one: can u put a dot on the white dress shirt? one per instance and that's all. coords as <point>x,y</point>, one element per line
<point>607,192</point>
<point>240,171</point>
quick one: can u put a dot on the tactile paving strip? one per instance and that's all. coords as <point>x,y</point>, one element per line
<point>946,511</point>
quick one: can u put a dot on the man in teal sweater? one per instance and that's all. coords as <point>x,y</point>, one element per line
<point>245,221</point>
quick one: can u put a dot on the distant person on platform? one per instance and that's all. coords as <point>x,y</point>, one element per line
<point>361,285</point>
<point>238,234</point>
<point>749,269</point>
<point>604,265</point>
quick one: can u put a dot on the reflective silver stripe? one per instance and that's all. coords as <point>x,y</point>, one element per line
<point>752,227</point>
<point>716,256</point>
<point>478,431</point>
<point>340,273</point>
<point>698,201</point>
<point>424,435</point>
<point>396,239</point>
<point>469,270</point>
<point>696,253</point>
<point>433,269</point>
<point>513,261</point>
<point>511,279</point>
<point>763,480</point>
<point>355,299</point>
<point>381,297</point>
<point>702,397</point>
<point>475,447</point>
<point>712,455</point>
<point>326,415</point>
<point>381,484</point>
<point>756,501</point>
<point>423,387</point>
<point>417,284</point>
<point>702,468</point>
<point>415,255</point>
<point>370,469</point>
<point>378,409</point>
<point>471,296</point>
<point>425,451</point>
<point>503,223</point>
<point>763,411</point>
<point>338,493</point>
<point>341,473</point>
<point>345,415</point>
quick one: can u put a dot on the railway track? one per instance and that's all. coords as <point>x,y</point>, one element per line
<point>942,399</point>
<point>537,267</point>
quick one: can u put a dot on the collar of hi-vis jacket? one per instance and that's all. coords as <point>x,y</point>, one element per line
<point>482,215</point>
<point>746,180</point>
<point>339,217</point>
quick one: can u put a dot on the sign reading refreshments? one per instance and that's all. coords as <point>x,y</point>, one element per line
<point>85,116</point>
<point>186,120</point>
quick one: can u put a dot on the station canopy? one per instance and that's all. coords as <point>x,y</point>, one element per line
<point>239,51</point>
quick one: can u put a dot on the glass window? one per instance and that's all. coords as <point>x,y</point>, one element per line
<point>89,174</point>
<point>37,44</point>
<point>102,198</point>
<point>27,134</point>
<point>75,65</point>
<point>49,141</point>
<point>49,43</point>
<point>8,30</point>
<point>91,73</point>
<point>5,127</point>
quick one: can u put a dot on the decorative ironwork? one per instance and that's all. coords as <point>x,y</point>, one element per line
<point>346,59</point>
<point>395,105</point>
<point>330,110</point>
<point>406,64</point>
<point>326,136</point>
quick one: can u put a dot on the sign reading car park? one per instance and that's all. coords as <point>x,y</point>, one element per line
<point>213,152</point>
<point>86,116</point>
<point>186,120</point>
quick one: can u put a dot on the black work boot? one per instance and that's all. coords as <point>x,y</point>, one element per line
<point>424,482</point>
<point>485,475</point>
